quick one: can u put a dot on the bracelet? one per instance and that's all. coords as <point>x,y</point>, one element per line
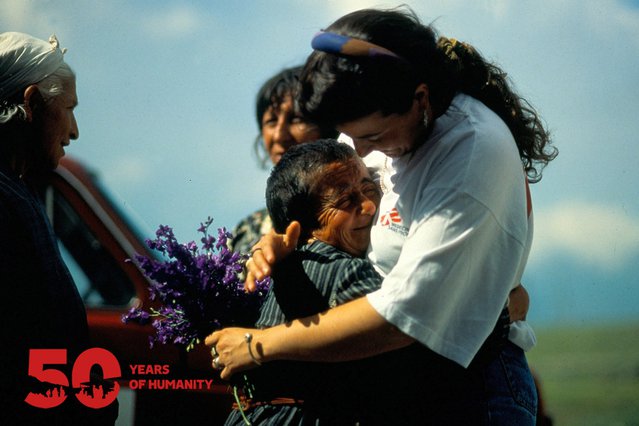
<point>248,337</point>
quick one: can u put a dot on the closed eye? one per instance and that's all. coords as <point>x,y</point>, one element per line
<point>344,203</point>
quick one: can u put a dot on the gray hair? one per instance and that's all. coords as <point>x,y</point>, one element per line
<point>51,86</point>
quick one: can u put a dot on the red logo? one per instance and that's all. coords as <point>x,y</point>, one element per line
<point>54,384</point>
<point>391,217</point>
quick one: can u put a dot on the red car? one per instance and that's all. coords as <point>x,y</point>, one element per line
<point>96,240</point>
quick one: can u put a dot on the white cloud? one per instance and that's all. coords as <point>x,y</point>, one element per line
<point>178,21</point>
<point>16,12</point>
<point>342,7</point>
<point>498,8</point>
<point>127,172</point>
<point>26,16</point>
<point>346,6</point>
<point>604,236</point>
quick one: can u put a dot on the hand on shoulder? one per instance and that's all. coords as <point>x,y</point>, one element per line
<point>271,248</point>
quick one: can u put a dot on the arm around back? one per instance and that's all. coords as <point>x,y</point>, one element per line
<point>348,332</point>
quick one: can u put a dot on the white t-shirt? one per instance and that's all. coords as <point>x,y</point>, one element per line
<point>453,233</point>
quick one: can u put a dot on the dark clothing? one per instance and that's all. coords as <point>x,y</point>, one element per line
<point>249,231</point>
<point>409,386</point>
<point>41,309</point>
<point>312,279</point>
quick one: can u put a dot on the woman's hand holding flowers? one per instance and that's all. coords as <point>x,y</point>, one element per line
<point>232,350</point>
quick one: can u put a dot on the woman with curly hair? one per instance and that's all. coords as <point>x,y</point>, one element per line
<point>454,148</point>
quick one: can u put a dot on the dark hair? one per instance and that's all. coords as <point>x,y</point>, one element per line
<point>294,188</point>
<point>273,93</point>
<point>337,89</point>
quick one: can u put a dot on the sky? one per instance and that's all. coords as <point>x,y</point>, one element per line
<point>166,116</point>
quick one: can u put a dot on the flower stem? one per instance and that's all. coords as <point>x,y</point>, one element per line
<point>239,406</point>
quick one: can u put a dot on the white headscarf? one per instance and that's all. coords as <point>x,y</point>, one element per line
<point>26,60</point>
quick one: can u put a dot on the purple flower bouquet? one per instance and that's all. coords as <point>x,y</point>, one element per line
<point>198,289</point>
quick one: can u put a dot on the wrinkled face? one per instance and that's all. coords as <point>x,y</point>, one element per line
<point>58,125</point>
<point>349,202</point>
<point>393,134</point>
<point>283,127</point>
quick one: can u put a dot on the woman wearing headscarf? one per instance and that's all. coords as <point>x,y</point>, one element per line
<point>40,303</point>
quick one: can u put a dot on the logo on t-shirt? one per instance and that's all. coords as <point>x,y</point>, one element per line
<point>390,217</point>
<point>393,221</point>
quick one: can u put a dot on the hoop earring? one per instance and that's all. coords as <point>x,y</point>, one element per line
<point>425,119</point>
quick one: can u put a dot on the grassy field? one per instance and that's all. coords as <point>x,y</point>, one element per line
<point>589,375</point>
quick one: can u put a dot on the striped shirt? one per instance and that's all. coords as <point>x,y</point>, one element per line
<point>312,279</point>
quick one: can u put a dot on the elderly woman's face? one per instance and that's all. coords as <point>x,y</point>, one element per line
<point>349,202</point>
<point>283,127</point>
<point>58,125</point>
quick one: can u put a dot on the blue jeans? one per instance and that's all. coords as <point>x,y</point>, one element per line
<point>510,390</point>
<point>497,392</point>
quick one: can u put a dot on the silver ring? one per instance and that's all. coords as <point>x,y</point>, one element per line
<point>216,363</point>
<point>214,352</point>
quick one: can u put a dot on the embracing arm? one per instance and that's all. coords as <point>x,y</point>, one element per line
<point>273,247</point>
<point>518,303</point>
<point>350,331</point>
